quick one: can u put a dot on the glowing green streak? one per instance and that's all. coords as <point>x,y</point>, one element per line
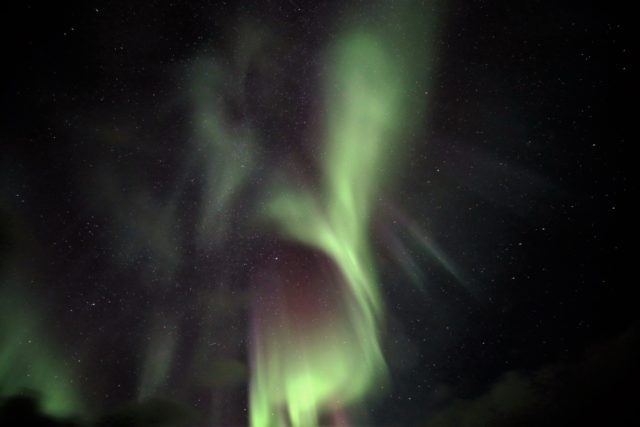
<point>373,94</point>
<point>28,362</point>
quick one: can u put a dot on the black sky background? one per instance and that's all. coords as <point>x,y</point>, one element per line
<point>522,182</point>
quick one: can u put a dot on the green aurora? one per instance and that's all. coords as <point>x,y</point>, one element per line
<point>30,363</point>
<point>375,93</point>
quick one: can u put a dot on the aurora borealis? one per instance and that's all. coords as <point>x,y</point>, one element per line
<point>337,359</point>
<point>306,214</point>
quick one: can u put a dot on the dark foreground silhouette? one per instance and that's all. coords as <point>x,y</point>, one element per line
<point>25,411</point>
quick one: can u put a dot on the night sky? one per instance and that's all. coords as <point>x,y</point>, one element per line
<point>290,213</point>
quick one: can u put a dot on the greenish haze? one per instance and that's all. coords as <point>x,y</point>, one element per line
<point>159,353</point>
<point>29,362</point>
<point>375,94</point>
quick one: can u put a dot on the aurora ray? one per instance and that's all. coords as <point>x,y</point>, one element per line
<point>302,369</point>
